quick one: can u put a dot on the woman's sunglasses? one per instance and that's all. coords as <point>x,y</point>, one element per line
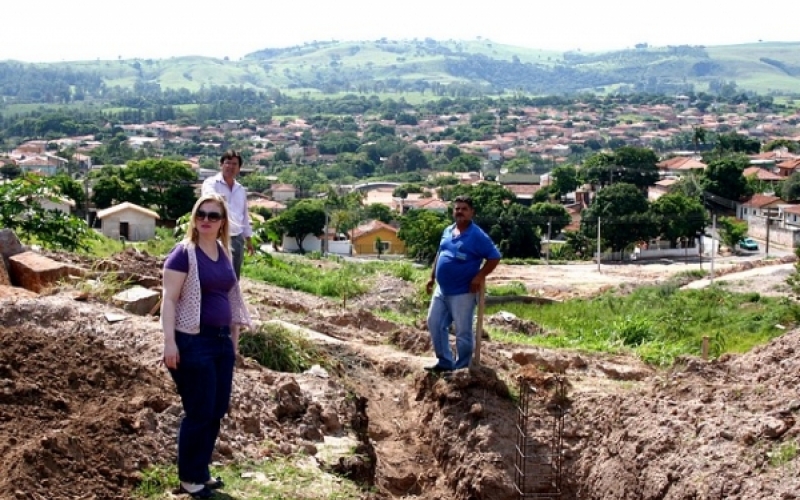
<point>211,216</point>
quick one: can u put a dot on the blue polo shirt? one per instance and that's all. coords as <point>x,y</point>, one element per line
<point>460,258</point>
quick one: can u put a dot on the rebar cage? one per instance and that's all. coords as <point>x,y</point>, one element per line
<point>540,431</point>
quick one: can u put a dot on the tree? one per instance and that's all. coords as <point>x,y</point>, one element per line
<point>628,164</point>
<point>486,197</point>
<point>71,189</point>
<point>111,187</point>
<point>624,217</point>
<point>564,179</point>
<point>724,177</point>
<point>690,185</point>
<point>378,211</point>
<point>165,184</point>
<point>790,145</point>
<point>421,231</point>
<point>736,143</point>
<point>731,232</point>
<point>379,246</point>
<point>22,212</point>
<point>698,136</point>
<point>10,171</point>
<point>550,213</point>
<point>679,217</point>
<point>464,163</point>
<point>304,218</point>
<point>256,183</point>
<point>513,229</point>
<point>790,189</point>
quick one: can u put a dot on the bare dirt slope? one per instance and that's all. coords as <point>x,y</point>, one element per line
<point>85,403</point>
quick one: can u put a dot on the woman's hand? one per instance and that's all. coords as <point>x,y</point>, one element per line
<point>171,356</point>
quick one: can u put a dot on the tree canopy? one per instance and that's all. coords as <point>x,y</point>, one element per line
<point>21,210</point>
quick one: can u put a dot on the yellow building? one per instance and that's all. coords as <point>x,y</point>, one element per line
<point>366,237</point>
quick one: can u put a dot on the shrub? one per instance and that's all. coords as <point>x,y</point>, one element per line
<point>279,349</point>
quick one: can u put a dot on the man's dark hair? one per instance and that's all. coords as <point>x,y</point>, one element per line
<point>464,198</point>
<point>231,154</point>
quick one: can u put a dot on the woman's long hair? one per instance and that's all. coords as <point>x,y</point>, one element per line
<point>224,234</point>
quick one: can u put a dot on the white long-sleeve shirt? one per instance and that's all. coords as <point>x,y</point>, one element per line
<point>238,216</point>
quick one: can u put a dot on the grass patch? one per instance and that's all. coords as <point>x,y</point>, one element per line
<point>782,454</point>
<point>281,478</point>
<point>512,289</point>
<point>345,280</point>
<point>325,276</point>
<point>280,349</point>
<point>659,323</point>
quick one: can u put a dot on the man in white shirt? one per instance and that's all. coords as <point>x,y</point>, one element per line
<point>225,184</point>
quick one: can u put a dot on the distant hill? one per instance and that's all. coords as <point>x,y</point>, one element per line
<point>439,67</point>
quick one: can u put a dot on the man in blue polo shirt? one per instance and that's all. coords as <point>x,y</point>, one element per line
<point>466,256</point>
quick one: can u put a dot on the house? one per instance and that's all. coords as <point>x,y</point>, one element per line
<point>791,216</point>
<point>660,188</point>
<point>365,239</point>
<point>758,205</point>
<point>679,165</point>
<point>763,176</point>
<point>788,167</point>
<point>432,204</point>
<point>283,192</point>
<point>58,203</point>
<point>274,207</point>
<point>129,221</point>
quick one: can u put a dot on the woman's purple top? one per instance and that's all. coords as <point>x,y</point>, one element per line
<point>216,280</point>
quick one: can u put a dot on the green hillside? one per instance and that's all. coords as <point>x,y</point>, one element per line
<point>472,67</point>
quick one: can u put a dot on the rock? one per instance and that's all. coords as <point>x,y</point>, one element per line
<point>9,244</point>
<point>137,300</point>
<point>291,402</point>
<point>330,422</point>
<point>35,272</point>
<point>5,280</point>
<point>771,427</point>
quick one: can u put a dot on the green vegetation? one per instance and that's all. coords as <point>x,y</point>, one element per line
<point>513,288</point>
<point>782,453</point>
<point>279,478</point>
<point>658,323</point>
<point>280,349</point>
<point>22,210</point>
<point>301,274</point>
<point>325,277</point>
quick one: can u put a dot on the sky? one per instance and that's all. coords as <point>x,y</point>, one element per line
<point>73,30</point>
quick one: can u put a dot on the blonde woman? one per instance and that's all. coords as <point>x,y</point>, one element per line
<point>201,312</point>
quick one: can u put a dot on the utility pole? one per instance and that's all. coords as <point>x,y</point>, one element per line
<point>713,244</point>
<point>598,244</point>
<point>549,223</point>
<point>766,249</point>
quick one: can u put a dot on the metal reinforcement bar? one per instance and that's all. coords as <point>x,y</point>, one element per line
<point>540,431</point>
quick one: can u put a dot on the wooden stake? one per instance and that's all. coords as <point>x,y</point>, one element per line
<point>476,359</point>
<point>155,308</point>
<point>704,349</point>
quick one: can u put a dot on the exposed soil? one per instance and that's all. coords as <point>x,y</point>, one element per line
<point>85,403</point>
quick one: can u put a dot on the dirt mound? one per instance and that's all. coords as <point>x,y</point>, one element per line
<point>76,418</point>
<point>725,429</point>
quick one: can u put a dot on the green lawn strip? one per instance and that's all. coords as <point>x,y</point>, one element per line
<point>284,478</point>
<point>658,323</point>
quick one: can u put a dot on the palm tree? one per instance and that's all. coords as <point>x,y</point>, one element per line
<point>698,136</point>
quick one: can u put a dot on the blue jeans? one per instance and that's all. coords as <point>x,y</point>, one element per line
<point>444,311</point>
<point>237,252</point>
<point>204,378</point>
